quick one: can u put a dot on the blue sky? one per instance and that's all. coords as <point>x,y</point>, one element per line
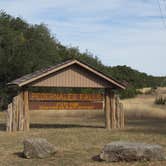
<point>119,32</point>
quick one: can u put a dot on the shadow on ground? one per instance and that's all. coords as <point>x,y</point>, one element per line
<point>147,126</point>
<point>19,154</point>
<point>41,125</point>
<point>96,158</point>
<point>2,126</point>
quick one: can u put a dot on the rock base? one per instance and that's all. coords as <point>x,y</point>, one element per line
<point>125,151</point>
<point>38,148</point>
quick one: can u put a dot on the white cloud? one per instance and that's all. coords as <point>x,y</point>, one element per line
<point>118,31</point>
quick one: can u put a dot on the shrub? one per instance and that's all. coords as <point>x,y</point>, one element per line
<point>128,93</point>
<point>4,98</point>
<point>3,102</point>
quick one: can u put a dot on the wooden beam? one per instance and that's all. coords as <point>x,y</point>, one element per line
<point>107,109</point>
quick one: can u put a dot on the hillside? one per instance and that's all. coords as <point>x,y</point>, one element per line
<point>136,78</point>
<point>25,48</point>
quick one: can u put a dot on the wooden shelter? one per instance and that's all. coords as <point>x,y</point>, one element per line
<point>70,74</point>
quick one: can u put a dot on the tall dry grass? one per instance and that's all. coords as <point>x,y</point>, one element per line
<point>143,106</point>
<point>66,114</point>
<point>144,90</point>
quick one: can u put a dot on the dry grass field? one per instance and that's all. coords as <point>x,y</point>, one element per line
<point>143,107</point>
<point>80,135</point>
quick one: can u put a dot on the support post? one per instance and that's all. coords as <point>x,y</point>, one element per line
<point>26,110</point>
<point>107,109</point>
<point>122,116</point>
<point>14,114</point>
<point>113,109</point>
<point>117,111</point>
<point>21,113</point>
<point>9,118</point>
<point>18,113</point>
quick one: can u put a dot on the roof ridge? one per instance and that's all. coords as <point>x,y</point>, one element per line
<point>28,78</point>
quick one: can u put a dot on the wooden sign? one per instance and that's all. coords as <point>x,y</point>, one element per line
<point>64,97</point>
<point>61,101</point>
<point>39,105</point>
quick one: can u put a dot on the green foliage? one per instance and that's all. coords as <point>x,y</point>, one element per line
<point>128,93</point>
<point>136,78</point>
<point>3,98</point>
<point>160,100</point>
<point>25,48</point>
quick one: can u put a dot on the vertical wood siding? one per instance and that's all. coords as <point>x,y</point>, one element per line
<point>73,76</point>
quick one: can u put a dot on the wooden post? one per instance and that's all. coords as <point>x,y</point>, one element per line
<point>14,114</point>
<point>18,113</point>
<point>9,118</point>
<point>26,111</point>
<point>107,109</point>
<point>113,117</point>
<point>117,112</point>
<point>21,113</point>
<point>122,123</point>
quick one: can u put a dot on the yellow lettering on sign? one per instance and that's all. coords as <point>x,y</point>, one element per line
<point>65,97</point>
<point>65,105</point>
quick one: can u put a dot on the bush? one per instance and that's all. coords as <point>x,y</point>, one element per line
<point>3,102</point>
<point>128,93</point>
<point>160,100</point>
<point>4,98</point>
